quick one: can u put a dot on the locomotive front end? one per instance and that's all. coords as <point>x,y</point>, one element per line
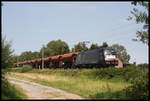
<point>110,57</point>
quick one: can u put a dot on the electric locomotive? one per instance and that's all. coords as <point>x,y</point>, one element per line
<point>101,57</point>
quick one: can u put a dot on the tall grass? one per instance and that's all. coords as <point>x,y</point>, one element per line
<point>104,83</point>
<point>75,81</point>
<point>11,92</point>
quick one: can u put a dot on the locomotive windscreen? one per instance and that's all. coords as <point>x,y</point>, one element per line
<point>110,54</point>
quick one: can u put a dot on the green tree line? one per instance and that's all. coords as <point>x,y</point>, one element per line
<point>58,47</point>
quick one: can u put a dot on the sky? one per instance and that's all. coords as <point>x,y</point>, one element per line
<point>30,25</point>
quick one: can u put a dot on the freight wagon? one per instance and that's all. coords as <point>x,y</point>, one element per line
<point>101,57</point>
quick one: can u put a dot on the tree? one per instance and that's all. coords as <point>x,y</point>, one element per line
<point>8,90</point>
<point>28,55</point>
<point>6,54</point>
<point>55,48</point>
<point>94,46</point>
<point>104,44</point>
<point>141,17</point>
<point>15,58</point>
<point>81,46</point>
<point>35,55</point>
<point>121,53</point>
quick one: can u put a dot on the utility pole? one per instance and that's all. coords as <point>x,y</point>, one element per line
<point>17,61</point>
<point>43,57</point>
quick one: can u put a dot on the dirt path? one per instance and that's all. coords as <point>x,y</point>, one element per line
<point>38,91</point>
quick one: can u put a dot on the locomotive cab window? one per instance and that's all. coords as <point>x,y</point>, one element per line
<point>113,52</point>
<point>109,54</point>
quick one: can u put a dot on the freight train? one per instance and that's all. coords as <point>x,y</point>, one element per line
<point>100,57</point>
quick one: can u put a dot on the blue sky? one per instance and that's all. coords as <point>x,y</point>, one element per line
<point>29,25</point>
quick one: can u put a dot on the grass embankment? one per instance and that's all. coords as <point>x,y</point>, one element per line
<point>11,91</point>
<point>104,83</point>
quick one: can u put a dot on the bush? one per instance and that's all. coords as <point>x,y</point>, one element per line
<point>25,68</point>
<point>140,86</point>
<point>131,72</point>
<point>10,91</point>
<point>115,95</point>
<point>123,74</point>
<point>138,77</point>
<point>144,65</point>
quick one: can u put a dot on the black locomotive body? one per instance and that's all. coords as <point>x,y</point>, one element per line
<point>97,57</point>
